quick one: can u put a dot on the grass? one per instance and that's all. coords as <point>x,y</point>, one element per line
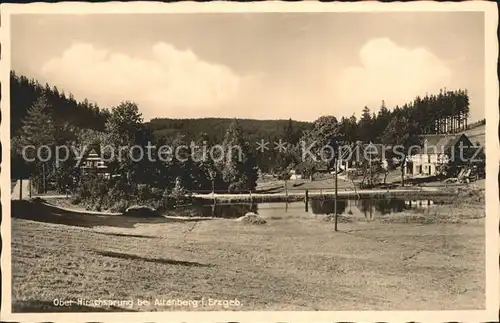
<point>437,214</point>
<point>293,262</point>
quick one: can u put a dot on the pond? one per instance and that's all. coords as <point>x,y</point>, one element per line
<point>367,208</point>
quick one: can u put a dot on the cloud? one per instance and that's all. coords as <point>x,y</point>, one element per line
<point>162,83</point>
<point>392,73</point>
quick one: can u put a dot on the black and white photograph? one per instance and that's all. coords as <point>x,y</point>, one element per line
<point>330,161</point>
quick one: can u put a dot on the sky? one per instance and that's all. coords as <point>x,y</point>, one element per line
<point>254,65</point>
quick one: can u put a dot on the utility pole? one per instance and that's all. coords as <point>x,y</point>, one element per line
<point>286,189</point>
<point>336,196</point>
<point>338,158</point>
<point>306,200</point>
<point>370,165</point>
<point>336,186</point>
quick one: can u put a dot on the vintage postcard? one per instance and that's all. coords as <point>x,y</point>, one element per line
<point>250,162</point>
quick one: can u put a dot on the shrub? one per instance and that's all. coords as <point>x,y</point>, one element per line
<point>144,192</point>
<point>93,193</point>
<point>121,190</point>
<point>178,194</point>
<point>116,195</point>
<point>156,191</point>
<point>119,206</point>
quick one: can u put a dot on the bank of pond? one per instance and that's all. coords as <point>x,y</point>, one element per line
<point>367,208</point>
<point>407,194</point>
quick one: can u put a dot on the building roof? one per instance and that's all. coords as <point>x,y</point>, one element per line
<point>373,150</point>
<point>89,155</point>
<point>440,143</point>
<point>359,152</point>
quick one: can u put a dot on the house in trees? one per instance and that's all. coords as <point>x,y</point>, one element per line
<point>439,150</point>
<point>92,163</point>
<point>362,154</point>
<point>294,175</point>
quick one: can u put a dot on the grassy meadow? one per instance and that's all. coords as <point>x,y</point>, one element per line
<point>293,262</point>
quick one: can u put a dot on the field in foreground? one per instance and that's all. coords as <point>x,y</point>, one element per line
<point>293,262</point>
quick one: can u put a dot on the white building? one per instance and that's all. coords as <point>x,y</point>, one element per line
<point>436,152</point>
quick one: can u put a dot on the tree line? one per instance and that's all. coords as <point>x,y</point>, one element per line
<point>447,111</point>
<point>133,178</point>
<point>65,109</point>
<point>254,131</point>
<point>401,126</point>
<point>43,115</point>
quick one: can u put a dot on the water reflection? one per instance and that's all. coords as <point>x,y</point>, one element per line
<point>367,208</point>
<point>227,211</point>
<point>328,206</point>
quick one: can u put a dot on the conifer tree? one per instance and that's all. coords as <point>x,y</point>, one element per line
<point>37,131</point>
<point>365,125</point>
<point>239,168</point>
<point>289,136</point>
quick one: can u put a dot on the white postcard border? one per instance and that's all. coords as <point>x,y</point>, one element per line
<point>492,155</point>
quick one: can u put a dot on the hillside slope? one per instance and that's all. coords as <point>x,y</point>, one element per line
<point>215,128</point>
<point>477,134</point>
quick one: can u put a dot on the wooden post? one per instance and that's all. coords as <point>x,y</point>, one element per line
<point>44,182</point>
<point>30,189</point>
<point>336,193</point>
<point>21,189</point>
<point>370,178</point>
<point>371,209</point>
<point>306,200</point>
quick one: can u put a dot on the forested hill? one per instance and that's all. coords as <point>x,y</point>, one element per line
<point>65,109</point>
<point>215,129</point>
<point>439,113</point>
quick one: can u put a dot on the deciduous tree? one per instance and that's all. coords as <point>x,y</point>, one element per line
<point>403,135</point>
